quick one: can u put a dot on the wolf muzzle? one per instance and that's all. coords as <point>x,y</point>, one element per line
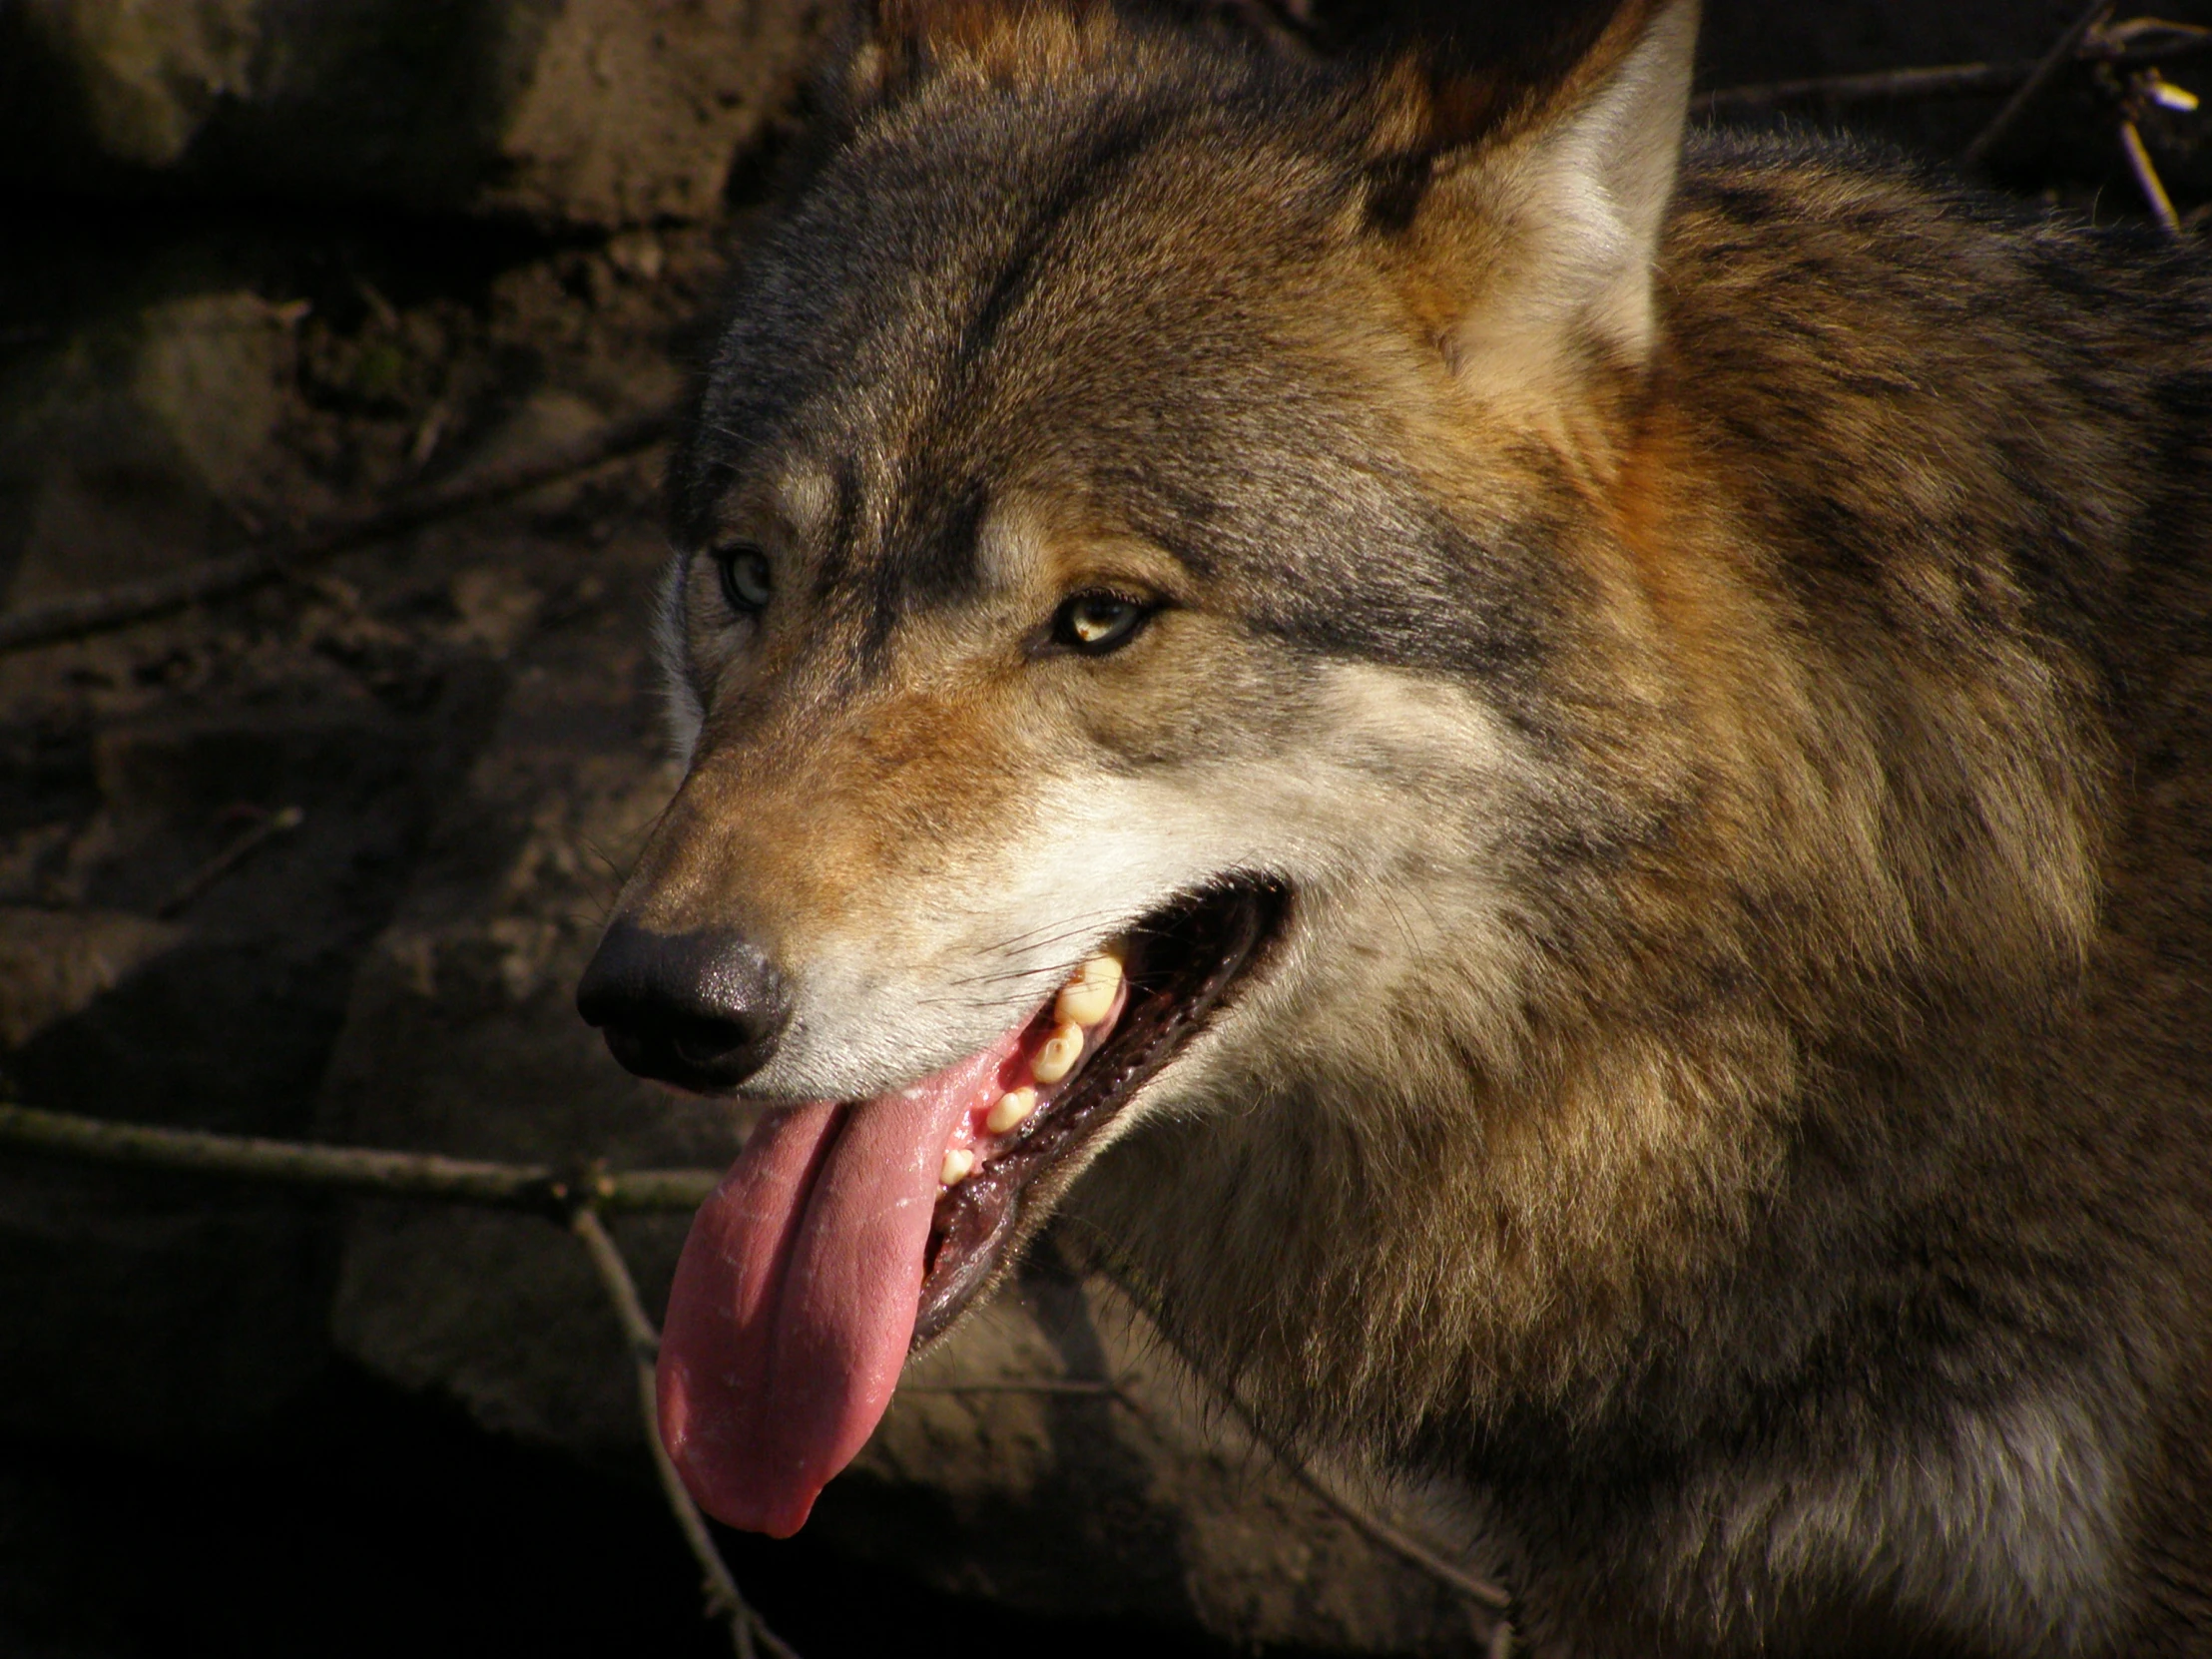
<point>702,1010</point>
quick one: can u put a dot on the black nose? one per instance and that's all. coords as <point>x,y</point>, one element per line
<point>702,1010</point>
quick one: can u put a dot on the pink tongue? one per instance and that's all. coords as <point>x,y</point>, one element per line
<point>795,1300</point>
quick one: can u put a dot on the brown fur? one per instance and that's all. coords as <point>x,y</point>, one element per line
<point>1743,1113</point>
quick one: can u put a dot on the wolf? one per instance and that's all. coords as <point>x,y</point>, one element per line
<point>1546,775</point>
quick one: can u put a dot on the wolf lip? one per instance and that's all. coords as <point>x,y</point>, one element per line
<point>830,1250</point>
<point>1189,958</point>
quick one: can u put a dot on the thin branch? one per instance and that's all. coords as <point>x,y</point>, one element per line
<point>2146,178</point>
<point>748,1632</point>
<point>1959,80</point>
<point>282,821</point>
<point>1379,1532</point>
<point>414,1175</point>
<point>2121,46</point>
<point>103,609</point>
<point>1017,1385</point>
<point>1367,1523</point>
<point>2063,52</point>
<point>1363,1521</point>
<point>2140,39</point>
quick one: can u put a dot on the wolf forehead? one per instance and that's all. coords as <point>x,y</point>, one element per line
<point>975,259</point>
<point>1144,289</point>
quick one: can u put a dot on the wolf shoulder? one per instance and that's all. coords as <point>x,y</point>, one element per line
<point>1835,267</point>
<point>1923,394</point>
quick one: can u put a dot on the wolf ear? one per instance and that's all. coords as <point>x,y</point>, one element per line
<point>890,43</point>
<point>1535,219</point>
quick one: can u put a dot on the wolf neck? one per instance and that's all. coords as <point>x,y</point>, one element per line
<point>1361,1269</point>
<point>1791,981</point>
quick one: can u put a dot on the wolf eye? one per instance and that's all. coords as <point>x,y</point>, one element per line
<point>1095,623</point>
<point>745,578</point>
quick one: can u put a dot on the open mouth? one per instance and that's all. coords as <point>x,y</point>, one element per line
<point>1152,993</point>
<point>850,1233</point>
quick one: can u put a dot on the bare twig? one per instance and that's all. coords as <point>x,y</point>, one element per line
<point>1401,1544</point>
<point>2062,51</point>
<point>748,1633</point>
<point>1942,81</point>
<point>249,842</point>
<point>2122,45</point>
<point>1018,1385</point>
<point>1370,1525</point>
<point>119,606</point>
<point>2147,89</point>
<point>2146,177</point>
<point>414,1175</point>
<point>2140,38</point>
<point>1363,1521</point>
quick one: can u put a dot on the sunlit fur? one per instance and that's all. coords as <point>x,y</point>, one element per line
<point>1722,662</point>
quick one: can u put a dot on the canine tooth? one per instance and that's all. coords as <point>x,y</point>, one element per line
<point>1058,1057</point>
<point>1012,1110</point>
<point>957,1163</point>
<point>1086,1000</point>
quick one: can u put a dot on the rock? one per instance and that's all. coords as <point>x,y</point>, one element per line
<point>545,420</point>
<point>143,77</point>
<point>54,963</point>
<point>144,1309</point>
<point>152,991</point>
<point>622,114</point>
<point>127,445</point>
<point>586,112</point>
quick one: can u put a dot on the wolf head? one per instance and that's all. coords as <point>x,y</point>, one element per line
<point>1161,505</point>
<point>1123,518</point>
<point>1079,332</point>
